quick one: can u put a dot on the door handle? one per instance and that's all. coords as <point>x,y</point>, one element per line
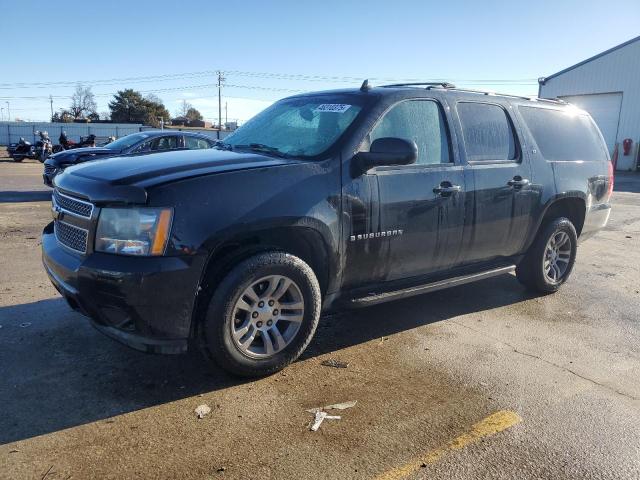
<point>518,182</point>
<point>446,189</point>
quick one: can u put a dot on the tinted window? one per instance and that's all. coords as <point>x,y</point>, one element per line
<point>421,121</point>
<point>488,134</point>
<point>564,135</point>
<point>194,143</point>
<point>143,147</point>
<point>165,143</point>
<point>126,142</point>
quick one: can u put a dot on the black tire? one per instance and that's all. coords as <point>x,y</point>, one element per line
<point>531,270</point>
<point>215,334</point>
<point>18,159</point>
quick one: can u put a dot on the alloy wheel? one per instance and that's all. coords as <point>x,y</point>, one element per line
<point>267,316</point>
<point>557,255</point>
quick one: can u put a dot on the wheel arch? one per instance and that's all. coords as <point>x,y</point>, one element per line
<point>303,241</point>
<point>573,206</point>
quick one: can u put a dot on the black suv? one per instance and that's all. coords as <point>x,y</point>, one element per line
<point>325,200</point>
<point>134,144</point>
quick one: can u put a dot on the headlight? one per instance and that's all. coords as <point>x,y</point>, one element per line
<point>133,231</point>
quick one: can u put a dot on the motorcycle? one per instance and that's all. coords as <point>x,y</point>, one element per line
<point>66,144</point>
<point>21,150</point>
<point>44,147</point>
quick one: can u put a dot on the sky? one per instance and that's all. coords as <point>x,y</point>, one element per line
<point>272,49</point>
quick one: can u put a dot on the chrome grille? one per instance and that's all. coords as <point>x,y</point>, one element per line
<point>71,236</point>
<point>73,205</point>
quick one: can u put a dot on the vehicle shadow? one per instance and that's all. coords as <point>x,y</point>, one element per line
<point>58,372</point>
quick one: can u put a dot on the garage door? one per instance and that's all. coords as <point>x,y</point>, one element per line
<point>605,110</point>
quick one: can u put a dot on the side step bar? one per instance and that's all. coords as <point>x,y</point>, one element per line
<point>429,287</point>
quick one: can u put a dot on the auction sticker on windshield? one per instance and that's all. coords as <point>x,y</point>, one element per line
<point>332,107</point>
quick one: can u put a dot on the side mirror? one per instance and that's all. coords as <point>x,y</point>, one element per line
<point>383,152</point>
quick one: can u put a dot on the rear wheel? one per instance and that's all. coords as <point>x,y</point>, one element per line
<point>262,315</point>
<point>18,159</point>
<point>550,259</point>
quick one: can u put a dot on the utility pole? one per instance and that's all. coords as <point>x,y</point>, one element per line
<point>51,103</point>
<point>220,80</point>
<point>226,112</point>
<point>1,114</point>
<point>8,111</point>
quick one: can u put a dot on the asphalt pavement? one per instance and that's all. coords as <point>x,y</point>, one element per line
<point>480,381</point>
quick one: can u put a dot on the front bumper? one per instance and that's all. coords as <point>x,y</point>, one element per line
<point>143,302</point>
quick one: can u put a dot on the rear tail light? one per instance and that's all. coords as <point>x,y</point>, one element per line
<point>610,190</point>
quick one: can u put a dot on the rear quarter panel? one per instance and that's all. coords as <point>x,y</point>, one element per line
<point>590,181</point>
<point>553,180</point>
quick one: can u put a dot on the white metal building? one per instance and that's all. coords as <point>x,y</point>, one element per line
<point>608,87</point>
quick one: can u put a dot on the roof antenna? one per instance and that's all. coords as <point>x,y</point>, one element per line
<point>365,87</point>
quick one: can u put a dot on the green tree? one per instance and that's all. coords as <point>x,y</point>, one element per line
<point>63,116</point>
<point>193,114</point>
<point>155,111</point>
<point>129,106</point>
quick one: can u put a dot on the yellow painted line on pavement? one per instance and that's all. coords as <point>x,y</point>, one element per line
<point>491,425</point>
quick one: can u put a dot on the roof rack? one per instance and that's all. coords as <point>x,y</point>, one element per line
<point>484,92</point>
<point>550,100</point>
<point>422,84</point>
<point>451,86</point>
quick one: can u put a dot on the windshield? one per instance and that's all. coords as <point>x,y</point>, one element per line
<point>299,127</point>
<point>126,141</point>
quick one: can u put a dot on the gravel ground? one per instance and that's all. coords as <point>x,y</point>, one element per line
<point>562,371</point>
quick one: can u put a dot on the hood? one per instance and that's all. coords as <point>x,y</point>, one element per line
<point>77,155</point>
<point>126,179</point>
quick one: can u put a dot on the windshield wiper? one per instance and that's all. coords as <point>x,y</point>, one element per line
<point>222,146</point>
<point>261,147</point>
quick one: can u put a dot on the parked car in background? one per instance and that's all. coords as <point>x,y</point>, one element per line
<point>134,144</point>
<point>327,200</point>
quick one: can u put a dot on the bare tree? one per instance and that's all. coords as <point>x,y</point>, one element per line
<point>83,102</point>
<point>184,108</point>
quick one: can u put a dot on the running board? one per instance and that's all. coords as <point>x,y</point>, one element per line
<point>429,287</point>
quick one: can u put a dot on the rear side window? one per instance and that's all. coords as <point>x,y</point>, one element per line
<point>421,121</point>
<point>488,133</point>
<point>564,135</point>
<point>194,143</point>
<point>165,143</point>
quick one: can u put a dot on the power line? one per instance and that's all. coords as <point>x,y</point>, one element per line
<point>266,75</point>
<point>325,78</point>
<point>110,81</point>
<point>160,90</point>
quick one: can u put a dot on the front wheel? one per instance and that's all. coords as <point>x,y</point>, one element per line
<point>262,315</point>
<point>18,158</point>
<point>550,259</point>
